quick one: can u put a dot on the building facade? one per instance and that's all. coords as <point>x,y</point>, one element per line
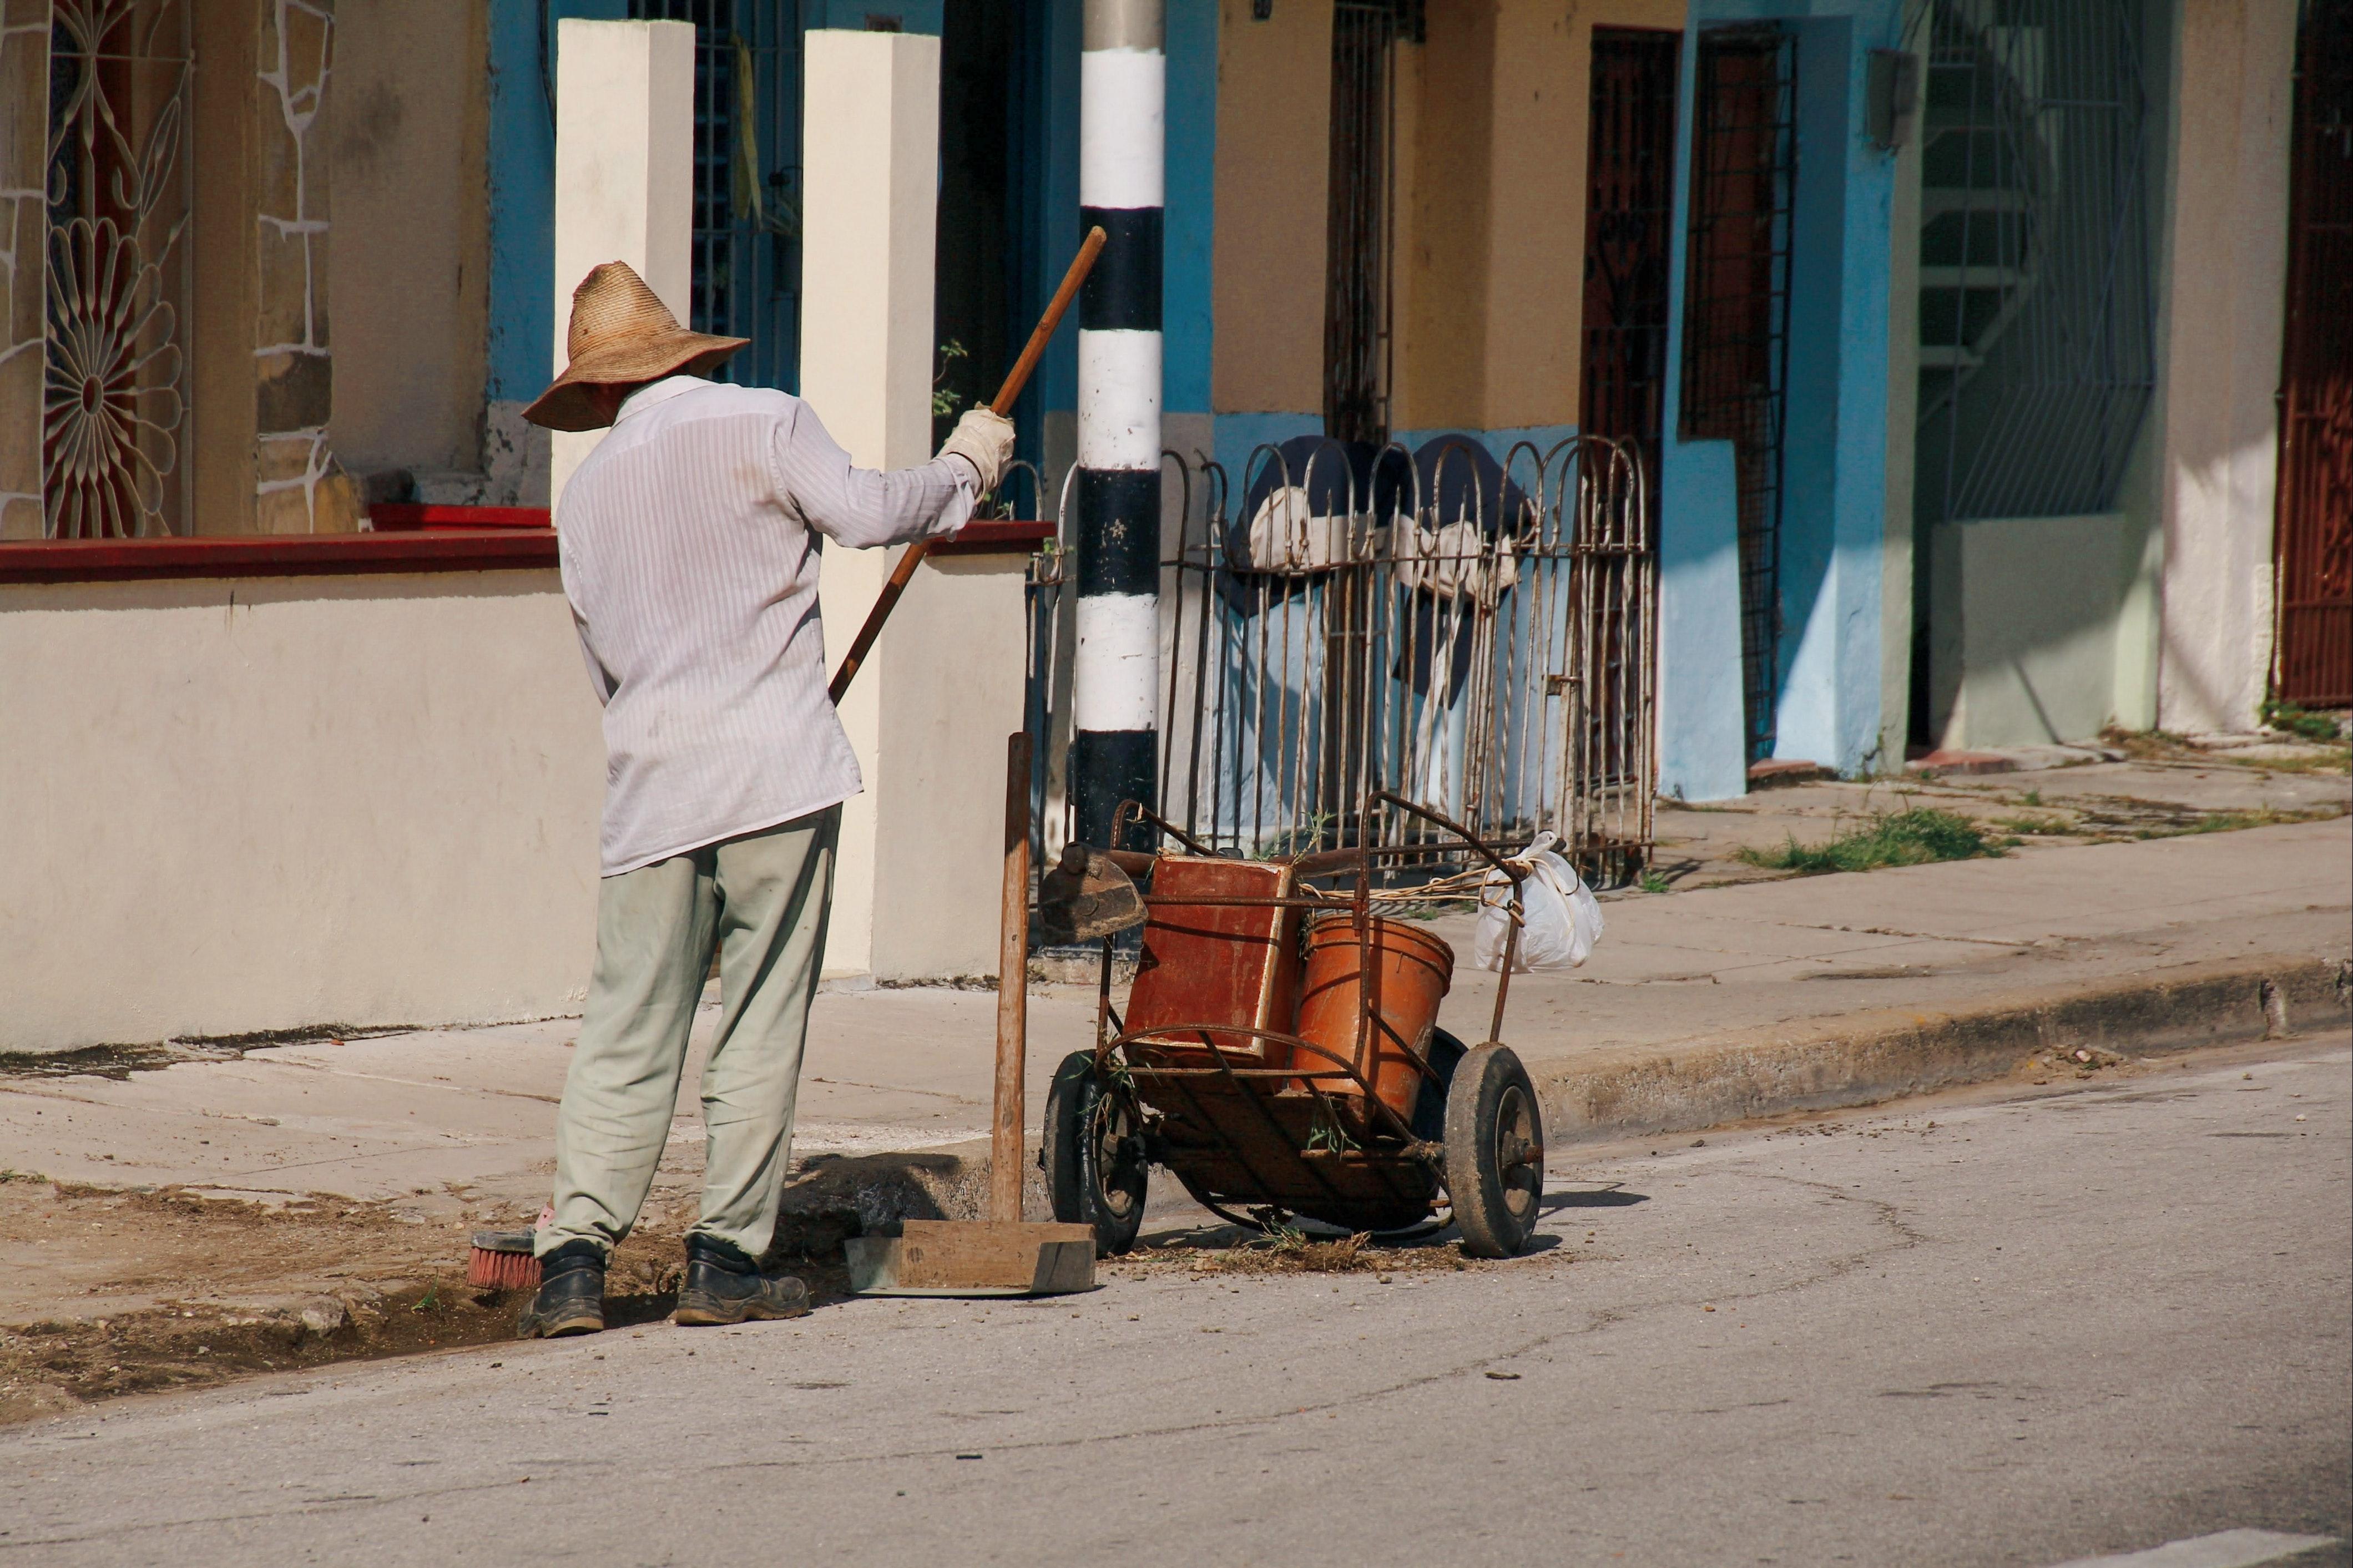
<point>1952,328</point>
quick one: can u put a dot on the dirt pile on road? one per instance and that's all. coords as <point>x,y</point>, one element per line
<point>109,1293</point>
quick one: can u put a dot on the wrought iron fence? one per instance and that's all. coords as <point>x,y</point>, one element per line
<point>1478,637</point>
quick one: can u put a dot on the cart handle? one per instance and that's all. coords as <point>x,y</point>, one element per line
<point>1448,823</point>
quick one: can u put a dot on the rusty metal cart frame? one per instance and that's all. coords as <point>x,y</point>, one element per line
<point>1111,1109</point>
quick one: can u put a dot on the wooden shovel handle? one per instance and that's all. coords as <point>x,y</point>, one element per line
<point>1007,396</point>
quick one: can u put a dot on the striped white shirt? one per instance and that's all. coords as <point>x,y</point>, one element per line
<point>689,548</point>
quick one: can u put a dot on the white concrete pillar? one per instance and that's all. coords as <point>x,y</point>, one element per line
<point>624,174</point>
<point>2219,339</point>
<point>916,885</point>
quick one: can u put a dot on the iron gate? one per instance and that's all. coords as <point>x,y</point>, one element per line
<point>2314,538</point>
<point>1737,317</point>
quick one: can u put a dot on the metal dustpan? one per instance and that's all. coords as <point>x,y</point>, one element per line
<point>1002,1255</point>
<point>1086,897</point>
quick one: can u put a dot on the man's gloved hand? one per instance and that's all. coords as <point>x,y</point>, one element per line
<point>983,438</point>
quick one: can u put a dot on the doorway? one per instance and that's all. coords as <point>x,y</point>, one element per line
<point>1737,318</point>
<point>2312,531</point>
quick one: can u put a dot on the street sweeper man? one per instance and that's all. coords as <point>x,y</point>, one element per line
<point>690,541</point>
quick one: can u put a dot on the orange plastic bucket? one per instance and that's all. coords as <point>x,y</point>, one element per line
<point>1411,970</point>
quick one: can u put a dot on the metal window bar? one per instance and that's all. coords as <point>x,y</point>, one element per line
<point>1357,326</point>
<point>1630,200</point>
<point>1737,318</point>
<point>746,244</point>
<point>1505,679</point>
<point>114,357</point>
<point>2037,298</point>
<point>2314,537</point>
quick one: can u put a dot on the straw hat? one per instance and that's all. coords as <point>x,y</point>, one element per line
<point>620,332</point>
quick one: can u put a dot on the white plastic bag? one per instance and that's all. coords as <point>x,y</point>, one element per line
<point>1560,918</point>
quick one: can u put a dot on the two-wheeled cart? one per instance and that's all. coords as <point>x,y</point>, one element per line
<point>1279,1053</point>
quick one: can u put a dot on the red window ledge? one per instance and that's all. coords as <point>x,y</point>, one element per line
<point>424,545</point>
<point>276,555</point>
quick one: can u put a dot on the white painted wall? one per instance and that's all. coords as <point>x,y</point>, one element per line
<point>624,174</point>
<point>2029,617</point>
<point>235,806</point>
<point>2225,235</point>
<point>915,896</point>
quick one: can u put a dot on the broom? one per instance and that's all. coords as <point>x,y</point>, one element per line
<point>502,1259</point>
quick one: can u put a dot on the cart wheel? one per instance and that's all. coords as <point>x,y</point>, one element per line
<point>1093,1156</point>
<point>1494,1152</point>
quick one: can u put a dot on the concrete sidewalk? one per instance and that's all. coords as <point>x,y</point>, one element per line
<point>1697,1008</point>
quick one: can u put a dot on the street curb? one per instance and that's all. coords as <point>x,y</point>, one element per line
<point>1867,1058</point>
<point>1855,1060</point>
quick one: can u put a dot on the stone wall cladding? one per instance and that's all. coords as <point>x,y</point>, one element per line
<point>298,486</point>
<point>24,251</point>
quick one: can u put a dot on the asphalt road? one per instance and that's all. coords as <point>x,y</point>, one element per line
<point>2041,1329</point>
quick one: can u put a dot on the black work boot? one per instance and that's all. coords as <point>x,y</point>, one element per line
<point>724,1285</point>
<point>571,1298</point>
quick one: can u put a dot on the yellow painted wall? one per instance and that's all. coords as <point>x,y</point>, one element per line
<point>1274,105</point>
<point>1488,200</point>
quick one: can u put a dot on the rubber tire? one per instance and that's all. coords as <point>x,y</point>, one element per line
<point>1444,1054</point>
<point>1084,1190</point>
<point>1494,1152</point>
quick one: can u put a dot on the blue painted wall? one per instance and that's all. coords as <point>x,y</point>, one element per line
<point>1837,450</point>
<point>1834,485</point>
<point>912,16</point>
<point>1049,202</point>
<point>1701,740</point>
<point>522,191</point>
<point>1188,339</point>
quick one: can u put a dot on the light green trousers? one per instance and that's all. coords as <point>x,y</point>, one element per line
<point>761,900</point>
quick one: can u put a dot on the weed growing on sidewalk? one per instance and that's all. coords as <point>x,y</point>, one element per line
<point>1914,838</point>
<point>2232,822</point>
<point>2289,718</point>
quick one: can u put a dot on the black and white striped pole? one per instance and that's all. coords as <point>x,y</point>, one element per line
<point>1122,93</point>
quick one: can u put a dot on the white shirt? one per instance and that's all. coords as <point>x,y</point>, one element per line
<point>689,549</point>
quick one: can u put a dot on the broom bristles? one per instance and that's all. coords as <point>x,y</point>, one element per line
<point>490,1270</point>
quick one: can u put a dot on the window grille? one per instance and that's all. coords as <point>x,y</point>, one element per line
<point>1356,249</point>
<point>2037,334</point>
<point>2315,538</point>
<point>746,280</point>
<point>114,369</point>
<point>1629,198</point>
<point>1737,318</point>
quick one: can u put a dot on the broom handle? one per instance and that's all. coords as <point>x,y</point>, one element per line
<point>1015,380</point>
<point>1008,1114</point>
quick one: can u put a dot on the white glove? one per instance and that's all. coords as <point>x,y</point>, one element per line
<point>983,438</point>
